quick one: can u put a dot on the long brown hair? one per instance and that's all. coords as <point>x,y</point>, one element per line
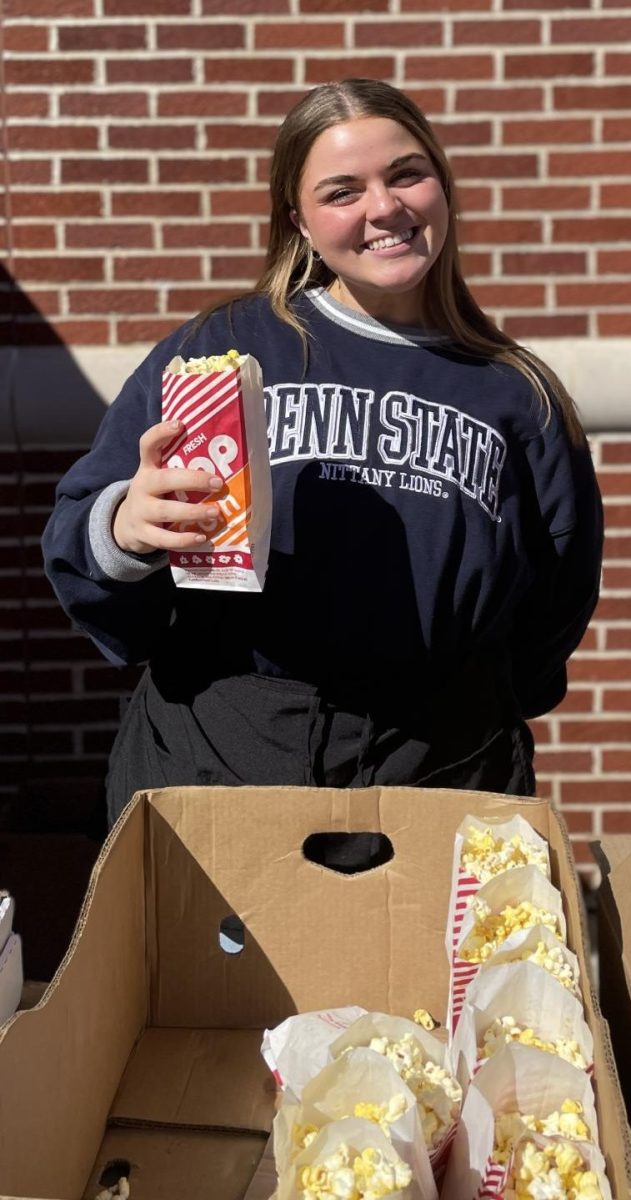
<point>448,305</point>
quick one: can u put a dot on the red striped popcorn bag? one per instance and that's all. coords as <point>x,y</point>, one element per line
<point>518,1098</point>
<point>298,1048</point>
<point>483,849</point>
<point>509,903</point>
<point>221,404</point>
<point>520,1002</point>
<point>358,1084</point>
<point>348,1160</point>
<point>425,1065</point>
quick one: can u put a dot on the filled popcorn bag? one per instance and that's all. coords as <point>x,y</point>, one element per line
<point>424,1064</point>
<point>509,903</point>
<point>349,1160</point>
<point>358,1084</point>
<point>220,401</point>
<point>299,1047</point>
<point>540,946</point>
<point>520,1002</point>
<point>518,1097</point>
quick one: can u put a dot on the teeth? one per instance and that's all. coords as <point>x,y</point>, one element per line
<point>393,239</point>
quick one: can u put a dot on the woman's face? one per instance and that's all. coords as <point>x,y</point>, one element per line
<point>371,205</point>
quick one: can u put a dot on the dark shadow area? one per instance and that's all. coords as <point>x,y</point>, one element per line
<point>613,986</point>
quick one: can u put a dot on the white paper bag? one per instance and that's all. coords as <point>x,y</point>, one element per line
<point>357,1135</point>
<point>521,946</point>
<point>298,1048</point>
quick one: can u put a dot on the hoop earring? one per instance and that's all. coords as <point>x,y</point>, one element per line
<point>314,254</point>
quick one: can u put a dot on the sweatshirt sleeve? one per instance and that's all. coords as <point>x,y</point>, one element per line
<point>123,601</point>
<point>554,614</point>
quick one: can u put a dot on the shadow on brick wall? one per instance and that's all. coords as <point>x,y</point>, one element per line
<point>60,701</point>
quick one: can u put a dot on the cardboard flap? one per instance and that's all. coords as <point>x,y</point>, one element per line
<point>211,857</point>
<point>198,1078</point>
<point>613,855</point>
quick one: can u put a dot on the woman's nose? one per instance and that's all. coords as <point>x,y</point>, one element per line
<point>382,203</point>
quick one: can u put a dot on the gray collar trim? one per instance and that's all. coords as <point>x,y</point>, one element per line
<point>379,331</point>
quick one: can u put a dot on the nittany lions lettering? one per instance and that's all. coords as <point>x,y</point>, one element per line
<point>333,423</point>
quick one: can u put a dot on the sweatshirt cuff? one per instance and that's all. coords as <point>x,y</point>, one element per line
<point>116,563</point>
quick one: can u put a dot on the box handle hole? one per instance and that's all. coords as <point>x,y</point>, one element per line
<point>231,934</point>
<point>117,1169</point>
<point>348,853</point>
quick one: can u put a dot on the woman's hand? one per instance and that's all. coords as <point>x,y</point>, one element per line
<point>139,519</point>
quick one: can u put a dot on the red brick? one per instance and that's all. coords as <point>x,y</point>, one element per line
<point>45,301</point>
<point>545,65</point>
<point>343,6</point>
<point>41,681</point>
<point>582,854</point>
<point>53,137</point>
<point>540,730</point>
<point>194,300</point>
<point>545,131</point>
<point>156,267</point>
<point>549,761</point>
<point>240,136</point>
<point>57,204</point>
<point>614,324</point>
<point>446,6</point>
<point>499,232</point>
<point>320,70</point>
<point>614,262</point>
<point>107,235</point>
<point>147,8</point>
<point>102,37</point>
<point>464,133</point>
<point>577,700</point>
<point>617,699</point>
<point>151,137</point>
<point>58,269</point>
<point>245,201</point>
<point>104,170</point>
<point>206,103</point>
<point>256,8</point>
<point>494,166</point>
<point>592,97</point>
<point>196,36</point>
<point>27,104</point>
<point>48,9</point>
<point>545,197</point>
<point>578,820</point>
<point>278,103</point>
<point>618,64</point>
<point>615,483</point>
<point>596,162</point>
<point>370,34</point>
<point>42,72</point>
<point>82,333</point>
<point>589,230</point>
<point>617,822</point>
<point>429,100</point>
<point>248,70</point>
<point>104,104</point>
<point>588,293</point>
<point>546,325</point>
<point>499,99</point>
<point>474,199</point>
<point>452,66</point>
<point>589,640</point>
<point>497,32</point>
<point>301,35</point>
<point>616,761</point>
<point>237,266</point>
<point>618,516</point>
<point>616,546</point>
<point>156,204</point>
<point>32,237</point>
<point>618,451</point>
<point>510,295</point>
<point>25,39</point>
<point>593,731</point>
<point>613,608</point>
<point>36,172</point>
<point>149,329</point>
<point>151,70</point>
<point>201,170</point>
<point>113,300</point>
<point>596,792</point>
<point>615,195</point>
<point>594,31</point>
<point>476,262</point>
<point>217,235</point>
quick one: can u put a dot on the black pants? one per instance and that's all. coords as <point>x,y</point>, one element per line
<point>257,730</point>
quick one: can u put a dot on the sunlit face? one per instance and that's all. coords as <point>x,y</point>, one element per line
<point>370,203</point>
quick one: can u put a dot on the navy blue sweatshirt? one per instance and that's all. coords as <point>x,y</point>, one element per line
<point>425,516</point>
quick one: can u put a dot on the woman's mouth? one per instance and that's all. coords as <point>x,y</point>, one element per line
<point>391,240</point>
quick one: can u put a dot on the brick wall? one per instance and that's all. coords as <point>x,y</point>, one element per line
<point>139,130</point>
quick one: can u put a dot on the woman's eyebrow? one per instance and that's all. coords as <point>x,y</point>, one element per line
<point>396,162</point>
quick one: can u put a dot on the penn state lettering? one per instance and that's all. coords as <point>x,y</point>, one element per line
<point>335,423</point>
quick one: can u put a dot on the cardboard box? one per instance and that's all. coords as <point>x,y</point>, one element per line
<point>145,1046</point>
<point>613,855</point>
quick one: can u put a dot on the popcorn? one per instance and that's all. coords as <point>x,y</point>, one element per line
<point>511,1126</point>
<point>423,1018</point>
<point>213,362</point>
<point>555,1172</point>
<point>553,960</point>
<point>437,1093</point>
<point>491,929</point>
<point>383,1114</point>
<point>505,1029</point>
<point>485,855</point>
<point>367,1176</point>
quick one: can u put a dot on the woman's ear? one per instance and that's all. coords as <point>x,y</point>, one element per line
<point>295,217</point>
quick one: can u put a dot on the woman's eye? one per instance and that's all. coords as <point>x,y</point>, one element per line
<point>410,175</point>
<point>341,195</point>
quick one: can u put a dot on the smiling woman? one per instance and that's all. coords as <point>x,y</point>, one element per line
<point>437,526</point>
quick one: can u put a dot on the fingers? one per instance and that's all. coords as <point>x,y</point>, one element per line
<point>160,481</point>
<point>154,439</point>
